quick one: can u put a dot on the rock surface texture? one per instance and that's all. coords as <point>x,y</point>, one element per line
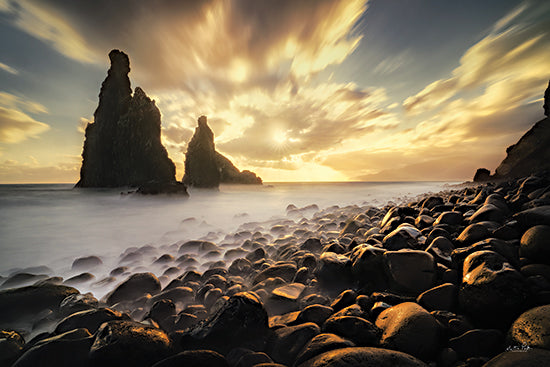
<point>123,146</point>
<point>206,168</point>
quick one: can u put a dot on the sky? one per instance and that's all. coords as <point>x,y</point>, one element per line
<point>294,90</point>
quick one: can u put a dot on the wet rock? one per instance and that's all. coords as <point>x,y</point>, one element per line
<point>405,236</point>
<point>478,343</point>
<point>193,358</point>
<point>312,244</point>
<point>21,279</point>
<point>253,359</point>
<point>365,357</point>
<point>291,291</point>
<point>320,344</point>
<point>79,279</point>
<point>441,248</point>
<point>410,271</point>
<point>76,303</point>
<point>128,343</point>
<point>163,312</point>
<point>86,263</point>
<point>509,250</point>
<point>285,271</point>
<point>535,244</point>
<point>137,285</point>
<point>26,302</point>
<point>492,291</point>
<point>532,217</point>
<point>317,314</point>
<point>11,347</point>
<point>88,319</point>
<point>451,218</point>
<point>409,328</point>
<point>241,322</point>
<point>473,233</point>
<point>528,357</point>
<point>368,266</point>
<point>287,342</point>
<point>488,212</point>
<point>532,328</point>
<point>441,297</point>
<point>358,330</point>
<point>334,270</point>
<point>68,349</point>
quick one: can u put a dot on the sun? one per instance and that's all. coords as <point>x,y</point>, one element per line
<point>279,137</point>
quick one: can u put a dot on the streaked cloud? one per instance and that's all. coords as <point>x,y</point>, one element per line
<point>8,69</point>
<point>15,124</point>
<point>32,172</point>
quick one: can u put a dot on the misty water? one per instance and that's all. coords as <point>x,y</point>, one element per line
<point>51,225</point>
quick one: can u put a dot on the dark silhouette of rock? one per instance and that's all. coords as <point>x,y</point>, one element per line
<point>482,175</point>
<point>546,105</point>
<point>123,146</point>
<point>206,168</point>
<point>530,154</point>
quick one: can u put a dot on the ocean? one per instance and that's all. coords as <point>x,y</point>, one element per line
<point>52,224</point>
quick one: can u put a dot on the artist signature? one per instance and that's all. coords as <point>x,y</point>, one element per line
<point>519,348</point>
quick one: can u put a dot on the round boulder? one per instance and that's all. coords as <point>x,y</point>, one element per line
<point>363,357</point>
<point>532,328</point>
<point>136,286</point>
<point>535,244</point>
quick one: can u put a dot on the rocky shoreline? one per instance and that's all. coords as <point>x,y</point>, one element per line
<point>458,278</point>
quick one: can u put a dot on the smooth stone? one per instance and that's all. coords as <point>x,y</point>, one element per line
<point>11,347</point>
<point>128,343</point>
<point>196,247</point>
<point>22,279</point>
<point>360,331</point>
<point>334,270</point>
<point>473,233</point>
<point>488,212</point>
<point>86,263</point>
<point>403,237</point>
<point>79,279</point>
<point>88,319</point>
<point>284,271</point>
<point>320,344</point>
<point>178,295</point>
<point>118,271</point>
<point>532,217</point>
<point>137,285</point>
<point>368,266</point>
<point>76,303</point>
<point>423,221</point>
<point>253,359</point>
<point>363,357</point>
<point>441,297</point>
<point>312,244</point>
<point>27,302</point>
<point>193,358</point>
<point>535,244</point>
<point>317,314</point>
<point>287,342</point>
<point>527,357</point>
<point>532,328</point>
<point>241,322</point>
<point>344,299</point>
<point>452,218</point>
<point>478,343</point>
<point>67,349</point>
<point>409,328</point>
<point>291,291</point>
<point>492,291</point>
<point>410,271</point>
<point>441,248</point>
<point>163,312</point>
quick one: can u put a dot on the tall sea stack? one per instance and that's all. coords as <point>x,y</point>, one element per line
<point>123,146</point>
<point>207,168</point>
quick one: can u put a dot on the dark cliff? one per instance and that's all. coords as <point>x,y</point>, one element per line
<point>206,168</point>
<point>123,146</point>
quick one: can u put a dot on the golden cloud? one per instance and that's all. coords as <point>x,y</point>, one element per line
<point>16,125</point>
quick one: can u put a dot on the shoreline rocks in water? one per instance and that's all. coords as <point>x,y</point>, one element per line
<point>455,279</point>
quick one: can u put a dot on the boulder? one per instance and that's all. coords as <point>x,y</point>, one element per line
<point>136,286</point>
<point>441,297</point>
<point>527,357</point>
<point>482,175</point>
<point>67,349</point>
<point>534,216</point>
<point>26,302</point>
<point>320,344</point>
<point>11,347</point>
<point>123,145</point>
<point>364,357</point>
<point>128,343</point>
<point>86,263</point>
<point>473,233</point>
<point>478,343</point>
<point>410,271</point>
<point>89,319</point>
<point>287,342</point>
<point>535,244</point>
<point>409,328</point>
<point>404,236</point>
<point>241,322</point>
<point>356,329</point>
<point>285,271</point>
<point>492,291</point>
<point>531,328</point>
